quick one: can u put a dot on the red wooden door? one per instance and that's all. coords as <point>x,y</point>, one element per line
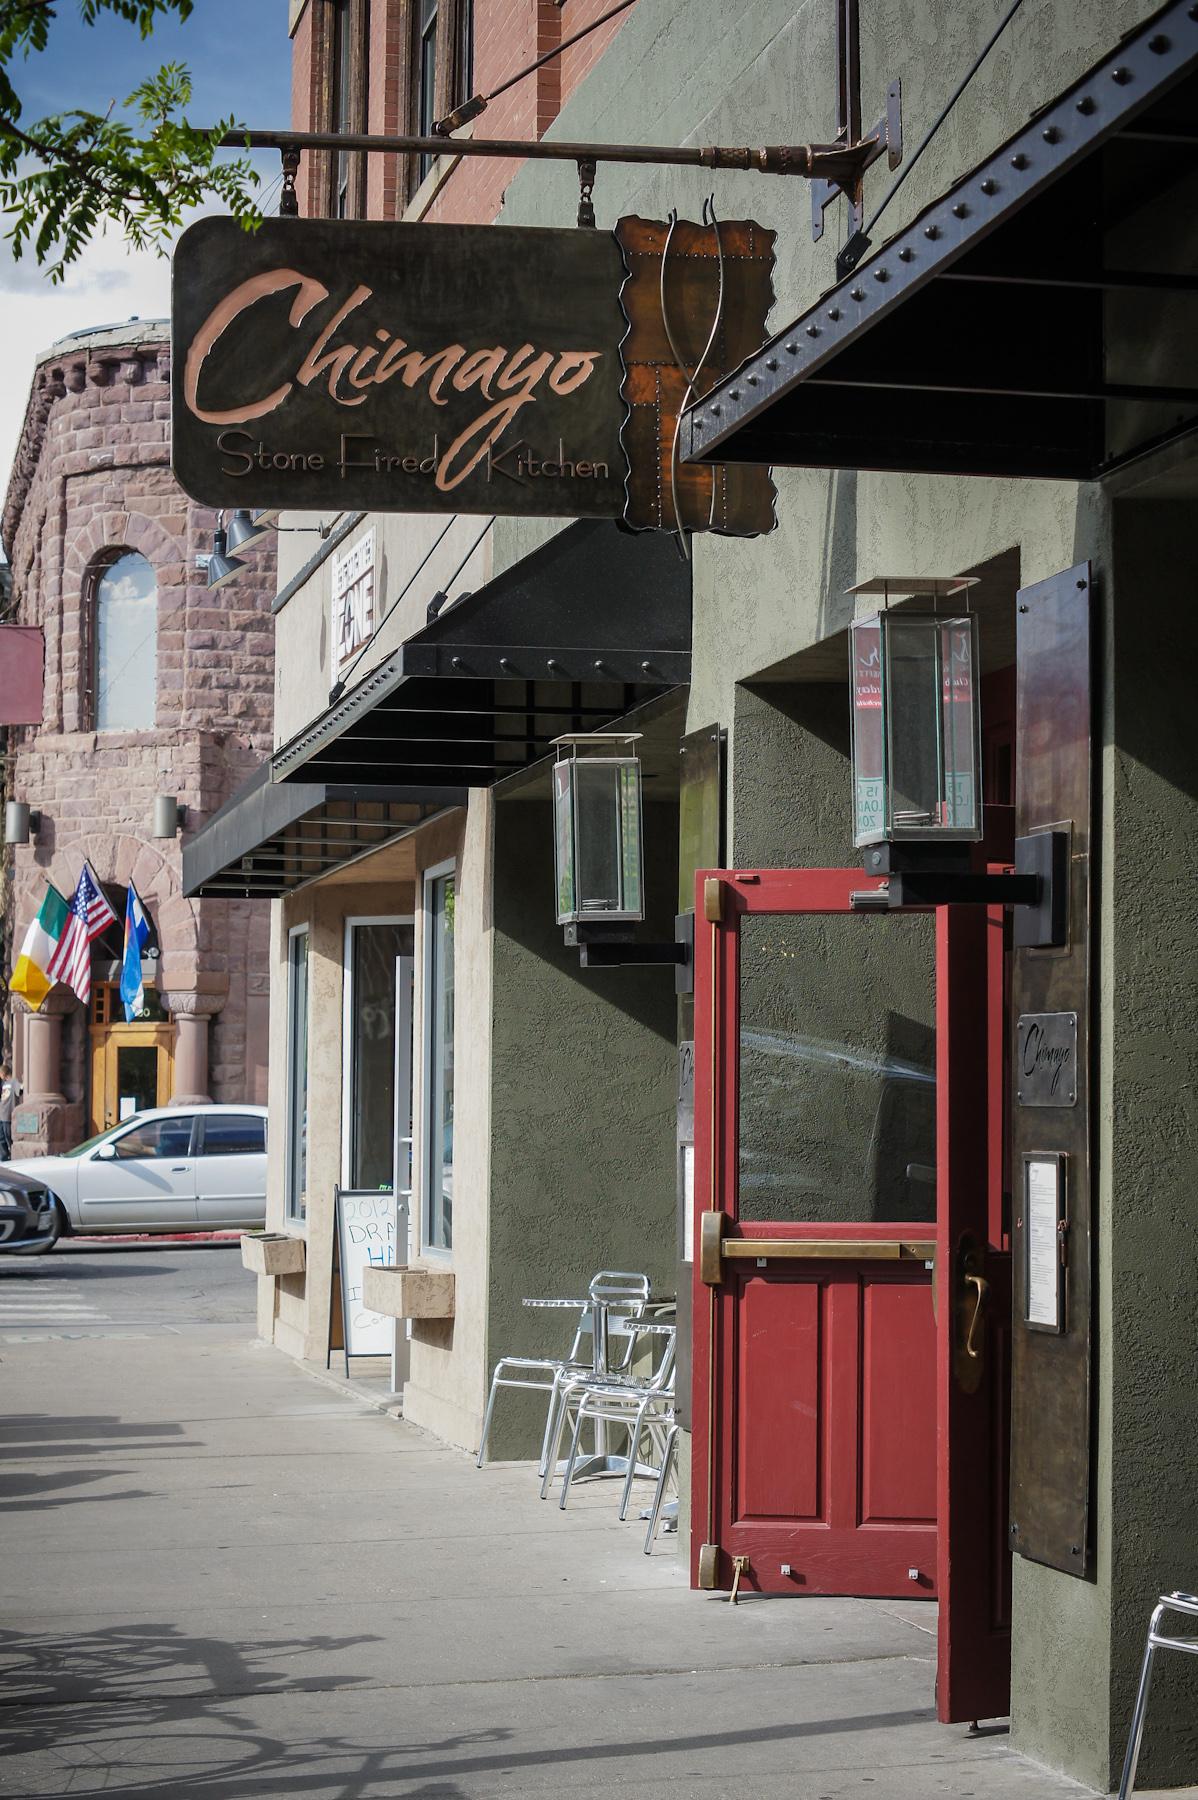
<point>848,1406</point>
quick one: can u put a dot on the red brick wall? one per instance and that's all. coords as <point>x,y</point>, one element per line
<point>93,474</point>
<point>508,35</point>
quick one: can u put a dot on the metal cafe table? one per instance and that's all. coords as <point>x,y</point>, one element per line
<point>600,1461</point>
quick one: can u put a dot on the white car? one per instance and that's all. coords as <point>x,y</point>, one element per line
<point>199,1168</point>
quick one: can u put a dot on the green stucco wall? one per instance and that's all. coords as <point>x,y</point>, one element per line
<point>584,1085</point>
<point>762,71</point>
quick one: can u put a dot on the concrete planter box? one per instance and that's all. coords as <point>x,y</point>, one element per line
<point>406,1293</point>
<point>272,1253</point>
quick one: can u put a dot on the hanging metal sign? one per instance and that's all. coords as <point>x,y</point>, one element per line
<point>398,368</point>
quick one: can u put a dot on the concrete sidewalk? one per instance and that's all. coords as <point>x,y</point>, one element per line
<point>223,1578</point>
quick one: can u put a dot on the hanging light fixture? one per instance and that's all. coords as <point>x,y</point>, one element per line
<point>221,566</point>
<point>245,530</point>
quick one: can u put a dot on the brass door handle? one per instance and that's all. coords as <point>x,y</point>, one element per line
<point>983,1287</point>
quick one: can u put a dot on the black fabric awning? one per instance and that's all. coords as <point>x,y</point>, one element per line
<point>573,636</point>
<point>269,839</point>
<point>1040,318</point>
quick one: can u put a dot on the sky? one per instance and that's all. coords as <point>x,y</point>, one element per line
<point>239,57</point>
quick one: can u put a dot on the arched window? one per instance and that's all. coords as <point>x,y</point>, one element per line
<point>126,604</point>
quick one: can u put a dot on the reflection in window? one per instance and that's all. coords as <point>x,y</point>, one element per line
<point>156,1138</point>
<point>438,1061</point>
<point>297,1074</point>
<point>426,74</point>
<point>374,948</point>
<point>126,604</point>
<point>232,1134</point>
<point>837,1068</point>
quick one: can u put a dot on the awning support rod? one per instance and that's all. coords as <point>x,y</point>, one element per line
<point>831,162</point>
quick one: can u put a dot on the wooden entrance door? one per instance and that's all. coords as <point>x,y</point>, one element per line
<point>132,1065</point>
<point>850,1271</point>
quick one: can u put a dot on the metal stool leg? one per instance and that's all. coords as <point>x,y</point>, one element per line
<point>635,1432</point>
<point>1128,1779</point>
<point>659,1492</point>
<point>487,1417</point>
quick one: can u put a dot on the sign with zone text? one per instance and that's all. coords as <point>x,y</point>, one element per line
<point>398,368</point>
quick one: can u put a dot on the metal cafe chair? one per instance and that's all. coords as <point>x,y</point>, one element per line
<point>1157,1640</point>
<point>541,1374</point>
<point>668,1454</point>
<point>635,1406</point>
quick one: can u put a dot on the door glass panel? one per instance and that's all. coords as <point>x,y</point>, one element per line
<point>837,1068</point>
<point>373,953</point>
<point>136,1078</point>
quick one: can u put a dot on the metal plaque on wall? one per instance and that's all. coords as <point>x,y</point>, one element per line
<point>398,368</point>
<point>1046,1059</point>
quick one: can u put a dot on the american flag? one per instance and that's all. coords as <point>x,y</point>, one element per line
<point>88,915</point>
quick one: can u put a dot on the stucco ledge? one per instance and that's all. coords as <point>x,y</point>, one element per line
<point>271,1253</point>
<point>409,1292</point>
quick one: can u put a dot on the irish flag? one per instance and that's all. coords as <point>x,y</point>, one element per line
<point>29,978</point>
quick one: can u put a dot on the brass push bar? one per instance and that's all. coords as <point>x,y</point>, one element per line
<point>715,1249</point>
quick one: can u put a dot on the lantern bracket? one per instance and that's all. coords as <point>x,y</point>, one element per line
<point>613,947</point>
<point>940,875</point>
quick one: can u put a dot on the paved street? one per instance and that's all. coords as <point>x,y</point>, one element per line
<point>225,1578</point>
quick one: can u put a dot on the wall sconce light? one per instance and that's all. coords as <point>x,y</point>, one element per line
<point>20,822</point>
<point>169,816</point>
<point>917,735</point>
<point>597,829</point>
<point>221,566</point>
<point>245,531</point>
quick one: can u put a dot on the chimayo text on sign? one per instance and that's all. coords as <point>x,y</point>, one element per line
<point>398,368</point>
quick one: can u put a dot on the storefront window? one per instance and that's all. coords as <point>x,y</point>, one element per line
<point>377,974</point>
<point>297,1073</point>
<point>438,1059</point>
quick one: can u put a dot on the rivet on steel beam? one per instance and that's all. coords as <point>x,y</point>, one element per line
<point>960,210</point>
<point>1158,44</point>
<point>792,349</point>
<point>771,362</point>
<point>455,662</point>
<point>1019,160</point>
<point>551,662</point>
<point>813,331</point>
<point>734,393</point>
<point>1051,135</point>
<point>989,186</point>
<point>857,294</point>
<point>647,668</point>
<point>834,313</point>
<point>505,662</point>
<point>1085,104</point>
<point>931,231</point>
<point>599,663</point>
<point>881,275</point>
<point>905,253</point>
<point>752,380</point>
<point>1120,76</point>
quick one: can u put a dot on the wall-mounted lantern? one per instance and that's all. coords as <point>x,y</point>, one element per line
<point>917,745</point>
<point>598,854</point>
<point>169,815</point>
<point>20,822</point>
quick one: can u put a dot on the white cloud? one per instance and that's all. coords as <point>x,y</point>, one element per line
<point>109,284</point>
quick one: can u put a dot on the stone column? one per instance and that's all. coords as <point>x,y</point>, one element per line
<point>45,1121</point>
<point>191,1013</point>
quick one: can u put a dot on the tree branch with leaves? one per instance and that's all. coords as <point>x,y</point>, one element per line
<point>65,176</point>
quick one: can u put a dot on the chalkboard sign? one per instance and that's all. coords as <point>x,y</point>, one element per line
<point>365,1231</point>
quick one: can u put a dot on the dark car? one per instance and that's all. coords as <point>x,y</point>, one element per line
<point>30,1218</point>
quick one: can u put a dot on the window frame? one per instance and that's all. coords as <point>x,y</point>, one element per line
<point>294,1220</point>
<point>352,922</point>
<point>430,877</point>
<point>98,572</point>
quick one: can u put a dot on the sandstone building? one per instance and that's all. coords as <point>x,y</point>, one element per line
<point>153,687</point>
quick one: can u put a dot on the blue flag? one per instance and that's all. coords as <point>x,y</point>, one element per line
<point>137,933</point>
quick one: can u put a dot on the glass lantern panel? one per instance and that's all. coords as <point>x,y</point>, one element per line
<point>913,724</point>
<point>869,742</point>
<point>960,726</point>
<point>563,841</point>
